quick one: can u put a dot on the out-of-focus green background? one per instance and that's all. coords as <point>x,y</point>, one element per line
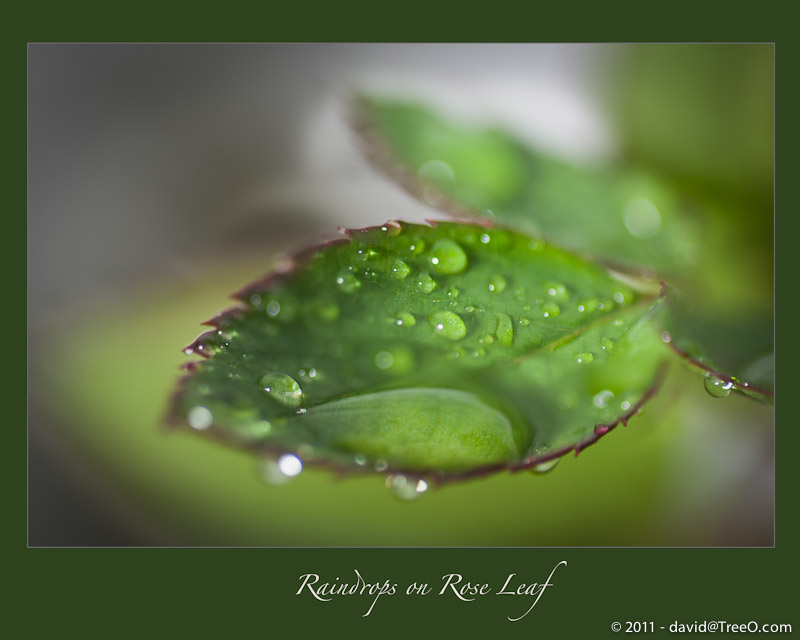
<point>162,178</point>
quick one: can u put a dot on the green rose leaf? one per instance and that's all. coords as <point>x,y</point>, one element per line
<point>436,352</point>
<point>624,217</point>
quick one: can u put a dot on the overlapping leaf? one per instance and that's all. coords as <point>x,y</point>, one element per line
<point>440,351</point>
<point>626,218</point>
<point>622,217</point>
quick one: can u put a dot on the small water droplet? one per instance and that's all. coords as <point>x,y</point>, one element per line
<point>524,322</point>
<point>282,388</point>
<point>557,291</point>
<point>383,360</point>
<point>497,283</point>
<point>619,298</point>
<point>485,238</point>
<point>200,418</point>
<point>666,337</point>
<point>360,459</point>
<point>607,344</point>
<point>602,399</point>
<point>255,299</point>
<point>400,269</point>
<point>425,283</point>
<point>405,319</point>
<point>417,247</point>
<point>550,310</point>
<point>546,466</point>
<point>486,339</point>
<point>584,358</point>
<point>273,308</point>
<point>448,324</point>
<point>625,405</point>
<point>381,465</point>
<point>406,488</point>
<point>448,257</point>
<point>504,330</point>
<point>717,387</point>
<point>453,292</point>
<point>347,282</point>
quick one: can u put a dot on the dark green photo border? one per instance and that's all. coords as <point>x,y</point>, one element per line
<point>235,593</point>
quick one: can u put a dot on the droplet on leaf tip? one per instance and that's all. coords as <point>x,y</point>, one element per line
<point>716,386</point>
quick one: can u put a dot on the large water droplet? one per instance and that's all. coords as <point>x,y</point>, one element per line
<point>448,324</point>
<point>400,269</point>
<point>546,466</point>
<point>347,282</point>
<point>425,283</point>
<point>282,388</point>
<point>200,418</point>
<point>448,257</point>
<point>716,386</point>
<point>497,283</point>
<point>406,488</point>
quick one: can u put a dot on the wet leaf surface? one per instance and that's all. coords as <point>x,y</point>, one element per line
<point>425,351</point>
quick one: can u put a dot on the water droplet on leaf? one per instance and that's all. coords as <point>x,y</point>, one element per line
<point>448,324</point>
<point>347,282</point>
<point>716,386</point>
<point>546,466</point>
<point>497,283</point>
<point>448,257</point>
<point>406,488</point>
<point>400,269</point>
<point>425,283</point>
<point>602,399</point>
<point>282,388</point>
<point>550,310</point>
